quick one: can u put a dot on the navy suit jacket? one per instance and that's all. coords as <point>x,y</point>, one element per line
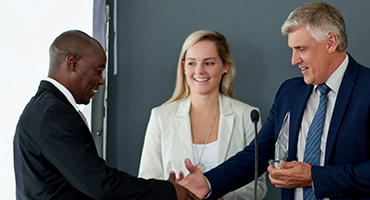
<point>55,157</point>
<point>346,172</point>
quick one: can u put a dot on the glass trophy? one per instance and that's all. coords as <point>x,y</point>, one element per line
<point>282,143</point>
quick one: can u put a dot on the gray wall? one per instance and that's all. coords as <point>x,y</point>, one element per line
<point>150,34</point>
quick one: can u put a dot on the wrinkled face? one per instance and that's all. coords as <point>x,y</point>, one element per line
<point>204,68</point>
<point>310,56</point>
<point>88,75</point>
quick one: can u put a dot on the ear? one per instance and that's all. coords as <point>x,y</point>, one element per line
<point>226,67</point>
<point>332,43</point>
<point>72,61</point>
<point>183,66</point>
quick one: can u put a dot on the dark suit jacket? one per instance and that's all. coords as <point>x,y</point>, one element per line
<point>55,157</point>
<point>346,172</point>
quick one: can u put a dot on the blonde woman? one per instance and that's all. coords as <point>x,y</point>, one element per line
<point>201,121</point>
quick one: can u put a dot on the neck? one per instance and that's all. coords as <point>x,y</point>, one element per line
<point>334,62</point>
<point>337,60</point>
<point>204,104</point>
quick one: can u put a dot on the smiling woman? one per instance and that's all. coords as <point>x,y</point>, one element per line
<point>204,68</point>
<point>25,44</point>
<point>202,121</point>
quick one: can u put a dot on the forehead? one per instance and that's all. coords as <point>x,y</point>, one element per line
<point>95,57</point>
<point>300,37</point>
<point>202,48</point>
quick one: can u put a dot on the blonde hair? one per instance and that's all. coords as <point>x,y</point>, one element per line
<point>182,89</point>
<point>320,19</point>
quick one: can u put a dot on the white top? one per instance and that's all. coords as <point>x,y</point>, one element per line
<point>208,159</point>
<point>333,82</point>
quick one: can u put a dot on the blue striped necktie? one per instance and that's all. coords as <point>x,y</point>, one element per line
<point>312,150</point>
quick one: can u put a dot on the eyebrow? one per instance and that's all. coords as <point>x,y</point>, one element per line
<point>102,66</point>
<point>298,46</point>
<point>211,58</point>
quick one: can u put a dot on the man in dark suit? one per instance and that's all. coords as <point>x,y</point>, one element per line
<point>329,141</point>
<point>54,153</point>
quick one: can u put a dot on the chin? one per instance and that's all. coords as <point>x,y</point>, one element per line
<point>204,92</point>
<point>86,101</point>
<point>307,81</point>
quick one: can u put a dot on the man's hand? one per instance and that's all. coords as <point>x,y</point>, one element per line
<point>294,175</point>
<point>195,181</point>
<point>182,193</point>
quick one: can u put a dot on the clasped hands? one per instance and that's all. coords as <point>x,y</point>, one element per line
<point>195,181</point>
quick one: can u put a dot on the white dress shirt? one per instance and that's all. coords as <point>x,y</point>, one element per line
<point>333,82</point>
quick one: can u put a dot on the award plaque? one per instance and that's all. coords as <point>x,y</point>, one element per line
<point>282,143</point>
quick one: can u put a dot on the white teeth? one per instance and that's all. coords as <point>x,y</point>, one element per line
<point>201,79</point>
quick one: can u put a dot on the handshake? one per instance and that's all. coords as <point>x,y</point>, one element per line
<point>193,186</point>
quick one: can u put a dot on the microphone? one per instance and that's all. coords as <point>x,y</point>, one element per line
<point>255,116</point>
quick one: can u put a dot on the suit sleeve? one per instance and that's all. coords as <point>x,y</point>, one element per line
<point>338,180</point>
<point>67,144</point>
<point>151,159</point>
<point>239,169</point>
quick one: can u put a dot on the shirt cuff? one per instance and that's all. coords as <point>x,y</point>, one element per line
<point>209,185</point>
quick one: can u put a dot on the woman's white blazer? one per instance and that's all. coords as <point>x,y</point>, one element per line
<point>168,141</point>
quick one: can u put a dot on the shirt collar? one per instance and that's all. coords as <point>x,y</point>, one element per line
<point>64,90</point>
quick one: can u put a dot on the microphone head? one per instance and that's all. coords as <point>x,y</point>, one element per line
<point>255,116</point>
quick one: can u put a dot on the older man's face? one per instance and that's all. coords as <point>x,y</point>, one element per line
<point>310,56</point>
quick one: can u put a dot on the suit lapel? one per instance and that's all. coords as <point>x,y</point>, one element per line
<point>296,119</point>
<point>225,128</point>
<point>344,94</point>
<point>183,125</point>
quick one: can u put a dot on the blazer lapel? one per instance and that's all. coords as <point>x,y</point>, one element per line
<point>225,128</point>
<point>296,119</point>
<point>183,125</point>
<point>344,94</point>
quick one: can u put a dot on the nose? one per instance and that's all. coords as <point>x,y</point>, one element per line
<point>101,80</point>
<point>296,58</point>
<point>199,68</point>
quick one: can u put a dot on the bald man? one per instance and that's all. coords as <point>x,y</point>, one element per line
<point>54,153</point>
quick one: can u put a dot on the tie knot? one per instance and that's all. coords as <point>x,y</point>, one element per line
<point>324,89</point>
